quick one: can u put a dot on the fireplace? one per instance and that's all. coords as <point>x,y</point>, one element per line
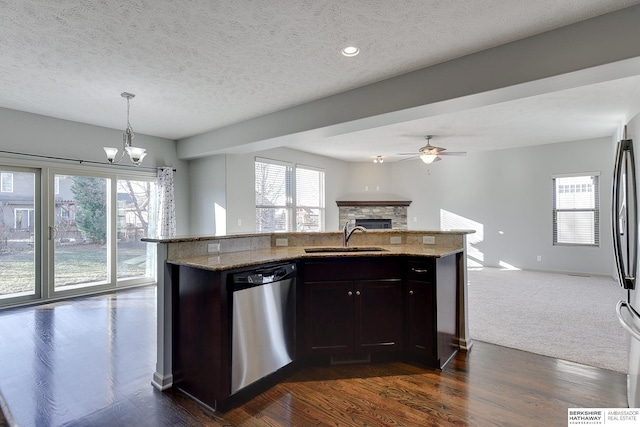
<point>374,223</point>
<point>384,214</point>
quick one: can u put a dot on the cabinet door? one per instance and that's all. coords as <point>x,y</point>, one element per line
<point>378,319</point>
<point>421,321</point>
<point>329,317</point>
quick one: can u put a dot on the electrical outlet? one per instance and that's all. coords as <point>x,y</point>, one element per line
<point>539,258</point>
<point>213,247</point>
<point>428,240</point>
<point>239,222</point>
<point>282,242</point>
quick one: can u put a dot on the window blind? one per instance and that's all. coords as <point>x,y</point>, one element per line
<point>273,185</point>
<point>309,199</point>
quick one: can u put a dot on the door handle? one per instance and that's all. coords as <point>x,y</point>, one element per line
<point>629,327</point>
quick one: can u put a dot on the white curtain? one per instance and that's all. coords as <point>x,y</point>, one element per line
<point>166,203</point>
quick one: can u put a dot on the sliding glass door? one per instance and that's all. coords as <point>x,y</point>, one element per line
<point>136,201</point>
<point>19,234</point>
<point>80,232</point>
<point>92,223</point>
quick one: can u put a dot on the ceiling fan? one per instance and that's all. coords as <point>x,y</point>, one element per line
<point>430,154</point>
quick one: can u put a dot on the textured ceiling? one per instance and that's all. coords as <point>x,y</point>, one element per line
<point>202,64</point>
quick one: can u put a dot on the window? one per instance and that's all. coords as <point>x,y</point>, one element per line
<point>309,199</point>
<point>6,182</point>
<point>576,216</point>
<point>288,197</point>
<point>23,219</point>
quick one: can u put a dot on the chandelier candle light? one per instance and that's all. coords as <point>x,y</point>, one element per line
<point>136,154</point>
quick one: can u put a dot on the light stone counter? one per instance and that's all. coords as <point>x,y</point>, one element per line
<point>231,260</point>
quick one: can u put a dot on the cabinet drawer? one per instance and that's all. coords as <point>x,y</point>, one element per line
<point>421,270</point>
<point>352,268</point>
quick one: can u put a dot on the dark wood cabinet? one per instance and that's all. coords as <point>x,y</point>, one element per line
<point>431,310</point>
<point>329,313</point>
<point>353,306</point>
<point>348,308</point>
<point>201,341</point>
<point>378,315</point>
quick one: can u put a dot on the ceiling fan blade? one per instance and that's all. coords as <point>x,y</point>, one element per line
<point>409,158</point>
<point>406,154</point>
<point>453,153</point>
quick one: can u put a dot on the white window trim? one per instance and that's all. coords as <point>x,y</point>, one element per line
<point>596,209</point>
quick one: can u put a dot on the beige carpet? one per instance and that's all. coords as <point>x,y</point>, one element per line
<point>564,316</point>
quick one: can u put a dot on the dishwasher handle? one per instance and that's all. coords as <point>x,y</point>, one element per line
<point>266,275</point>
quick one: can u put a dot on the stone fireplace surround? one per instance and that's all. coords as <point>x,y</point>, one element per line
<point>396,210</point>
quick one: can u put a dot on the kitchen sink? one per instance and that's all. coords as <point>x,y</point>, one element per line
<point>344,249</point>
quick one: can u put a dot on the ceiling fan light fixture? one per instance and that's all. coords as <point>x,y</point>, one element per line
<point>378,159</point>
<point>428,158</point>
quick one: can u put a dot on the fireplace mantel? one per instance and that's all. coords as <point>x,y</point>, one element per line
<point>341,203</point>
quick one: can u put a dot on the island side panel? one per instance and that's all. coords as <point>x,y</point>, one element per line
<point>447,308</point>
<point>464,340</point>
<point>201,335</point>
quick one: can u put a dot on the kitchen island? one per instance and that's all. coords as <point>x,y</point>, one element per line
<point>394,294</point>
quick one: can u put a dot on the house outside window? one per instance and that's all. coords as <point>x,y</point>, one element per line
<point>576,212</point>
<point>288,197</point>
<point>6,182</point>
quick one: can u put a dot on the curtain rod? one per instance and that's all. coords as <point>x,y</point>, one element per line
<point>80,161</point>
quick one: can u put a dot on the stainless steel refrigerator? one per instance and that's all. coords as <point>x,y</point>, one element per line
<point>625,244</point>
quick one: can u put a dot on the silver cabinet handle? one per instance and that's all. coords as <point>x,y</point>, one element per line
<point>410,292</point>
<point>629,327</point>
<point>418,270</point>
<point>357,292</point>
<point>349,293</point>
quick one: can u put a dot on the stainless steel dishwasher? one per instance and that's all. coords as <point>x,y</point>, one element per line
<point>263,328</point>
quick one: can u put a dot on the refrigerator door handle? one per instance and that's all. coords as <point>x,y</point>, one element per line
<point>624,214</point>
<point>629,327</point>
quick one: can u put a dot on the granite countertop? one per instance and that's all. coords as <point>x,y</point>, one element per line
<point>179,239</point>
<point>232,260</point>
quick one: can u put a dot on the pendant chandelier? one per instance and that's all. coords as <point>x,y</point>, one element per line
<point>135,154</point>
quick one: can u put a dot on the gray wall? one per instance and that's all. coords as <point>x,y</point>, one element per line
<point>36,134</point>
<point>506,196</point>
<point>208,189</point>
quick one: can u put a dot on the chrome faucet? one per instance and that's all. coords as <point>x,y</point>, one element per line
<point>348,233</point>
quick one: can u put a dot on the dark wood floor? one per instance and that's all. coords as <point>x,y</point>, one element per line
<point>89,362</point>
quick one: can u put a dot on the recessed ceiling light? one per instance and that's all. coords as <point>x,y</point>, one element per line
<point>350,51</point>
